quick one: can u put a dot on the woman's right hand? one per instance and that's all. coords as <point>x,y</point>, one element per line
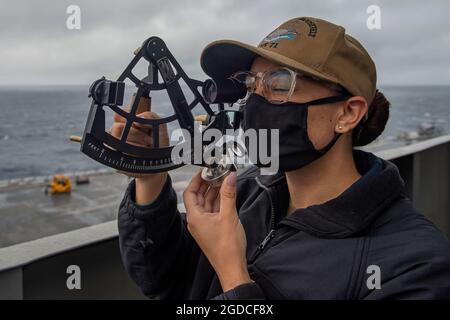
<point>148,186</point>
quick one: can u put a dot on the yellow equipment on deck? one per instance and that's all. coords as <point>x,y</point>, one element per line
<point>60,184</point>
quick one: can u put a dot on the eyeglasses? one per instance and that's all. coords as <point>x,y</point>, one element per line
<point>277,85</point>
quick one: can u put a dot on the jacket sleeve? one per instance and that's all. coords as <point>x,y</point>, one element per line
<point>248,291</point>
<point>157,250</point>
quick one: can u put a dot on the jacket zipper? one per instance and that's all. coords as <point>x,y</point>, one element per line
<point>263,244</point>
<point>272,231</point>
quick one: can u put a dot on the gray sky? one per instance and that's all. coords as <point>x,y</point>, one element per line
<point>412,47</point>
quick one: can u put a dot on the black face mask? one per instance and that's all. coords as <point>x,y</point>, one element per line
<point>295,149</point>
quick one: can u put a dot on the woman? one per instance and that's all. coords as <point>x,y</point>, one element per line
<point>333,223</point>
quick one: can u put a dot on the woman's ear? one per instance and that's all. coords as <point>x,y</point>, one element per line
<point>353,110</point>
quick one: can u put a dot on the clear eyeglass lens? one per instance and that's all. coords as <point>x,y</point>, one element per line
<point>246,78</point>
<point>277,85</point>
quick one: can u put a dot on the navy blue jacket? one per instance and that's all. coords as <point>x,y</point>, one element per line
<point>335,250</point>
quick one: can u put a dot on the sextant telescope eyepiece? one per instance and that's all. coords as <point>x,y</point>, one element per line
<point>223,91</point>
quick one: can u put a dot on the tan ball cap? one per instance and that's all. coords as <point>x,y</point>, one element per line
<point>312,46</point>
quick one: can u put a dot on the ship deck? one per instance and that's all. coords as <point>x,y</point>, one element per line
<point>28,213</point>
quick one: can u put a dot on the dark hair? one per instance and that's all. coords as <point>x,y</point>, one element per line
<point>378,115</point>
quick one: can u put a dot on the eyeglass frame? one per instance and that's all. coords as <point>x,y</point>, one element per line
<point>260,75</point>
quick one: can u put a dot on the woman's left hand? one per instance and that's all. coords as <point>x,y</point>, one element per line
<point>213,222</point>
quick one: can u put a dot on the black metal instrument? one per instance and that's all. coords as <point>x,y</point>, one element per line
<point>114,152</point>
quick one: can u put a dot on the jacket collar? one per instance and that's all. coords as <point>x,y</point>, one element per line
<point>353,210</point>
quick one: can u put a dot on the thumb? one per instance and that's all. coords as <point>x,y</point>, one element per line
<point>228,194</point>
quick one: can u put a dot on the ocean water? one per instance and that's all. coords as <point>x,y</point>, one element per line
<point>36,123</point>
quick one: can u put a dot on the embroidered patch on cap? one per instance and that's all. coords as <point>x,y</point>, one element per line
<point>278,35</point>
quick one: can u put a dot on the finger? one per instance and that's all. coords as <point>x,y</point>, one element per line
<point>228,195</point>
<point>191,191</point>
<point>216,207</point>
<point>201,194</point>
<point>146,130</point>
<point>210,198</point>
<point>146,115</point>
<point>143,105</point>
<point>135,137</point>
<point>163,133</point>
<point>117,129</point>
<point>118,118</point>
<point>203,188</point>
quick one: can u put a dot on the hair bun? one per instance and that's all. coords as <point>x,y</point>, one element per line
<point>378,116</point>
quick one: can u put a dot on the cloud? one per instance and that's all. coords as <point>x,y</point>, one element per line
<point>412,47</point>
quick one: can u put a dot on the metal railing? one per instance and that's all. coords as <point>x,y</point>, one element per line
<point>39,269</point>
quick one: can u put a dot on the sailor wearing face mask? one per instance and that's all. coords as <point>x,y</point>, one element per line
<point>313,229</point>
